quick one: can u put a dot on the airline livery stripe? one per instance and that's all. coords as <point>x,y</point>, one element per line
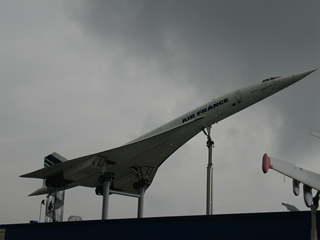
<point>47,163</point>
<point>205,109</point>
<point>50,160</point>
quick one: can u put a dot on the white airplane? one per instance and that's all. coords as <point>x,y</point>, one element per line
<point>135,163</point>
<point>299,175</point>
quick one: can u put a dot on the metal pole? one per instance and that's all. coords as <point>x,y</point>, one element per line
<point>209,172</point>
<point>314,208</point>
<point>141,201</point>
<point>105,200</point>
<point>54,206</point>
<point>313,222</point>
<point>42,203</point>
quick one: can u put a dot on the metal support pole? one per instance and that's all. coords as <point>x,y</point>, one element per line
<point>42,203</point>
<point>105,200</point>
<point>141,201</point>
<point>141,186</point>
<point>106,192</point>
<point>313,222</point>
<point>314,208</point>
<point>54,206</point>
<point>210,144</point>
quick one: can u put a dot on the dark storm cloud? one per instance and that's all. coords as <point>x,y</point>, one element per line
<point>221,44</point>
<point>199,37</point>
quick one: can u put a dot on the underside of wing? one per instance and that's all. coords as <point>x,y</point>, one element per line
<point>146,155</point>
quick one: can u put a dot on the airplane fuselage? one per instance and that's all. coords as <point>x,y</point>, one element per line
<point>229,104</point>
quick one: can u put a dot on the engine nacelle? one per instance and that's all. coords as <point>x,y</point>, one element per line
<point>296,187</point>
<point>307,194</point>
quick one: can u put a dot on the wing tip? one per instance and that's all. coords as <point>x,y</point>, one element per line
<point>27,175</point>
<point>266,163</point>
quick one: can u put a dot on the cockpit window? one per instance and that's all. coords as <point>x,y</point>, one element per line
<point>270,79</point>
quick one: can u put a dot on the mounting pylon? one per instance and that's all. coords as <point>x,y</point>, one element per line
<point>210,145</point>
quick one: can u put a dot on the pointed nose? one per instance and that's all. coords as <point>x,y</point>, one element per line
<point>284,82</point>
<point>302,75</point>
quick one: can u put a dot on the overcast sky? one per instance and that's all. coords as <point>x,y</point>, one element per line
<point>79,77</point>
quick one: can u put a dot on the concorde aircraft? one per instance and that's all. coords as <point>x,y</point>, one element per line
<point>299,175</point>
<point>135,163</point>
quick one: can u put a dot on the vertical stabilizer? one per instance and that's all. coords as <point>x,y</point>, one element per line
<point>55,200</point>
<point>52,159</point>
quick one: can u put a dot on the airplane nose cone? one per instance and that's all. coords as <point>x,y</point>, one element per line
<point>299,76</point>
<point>287,81</point>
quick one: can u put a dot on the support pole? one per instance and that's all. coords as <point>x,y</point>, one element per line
<point>210,144</point>
<point>314,208</point>
<point>107,180</point>
<point>141,186</point>
<point>313,222</point>
<point>141,201</point>
<point>42,203</point>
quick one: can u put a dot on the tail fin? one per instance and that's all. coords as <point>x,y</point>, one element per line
<point>55,200</point>
<point>43,173</point>
<point>52,159</point>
